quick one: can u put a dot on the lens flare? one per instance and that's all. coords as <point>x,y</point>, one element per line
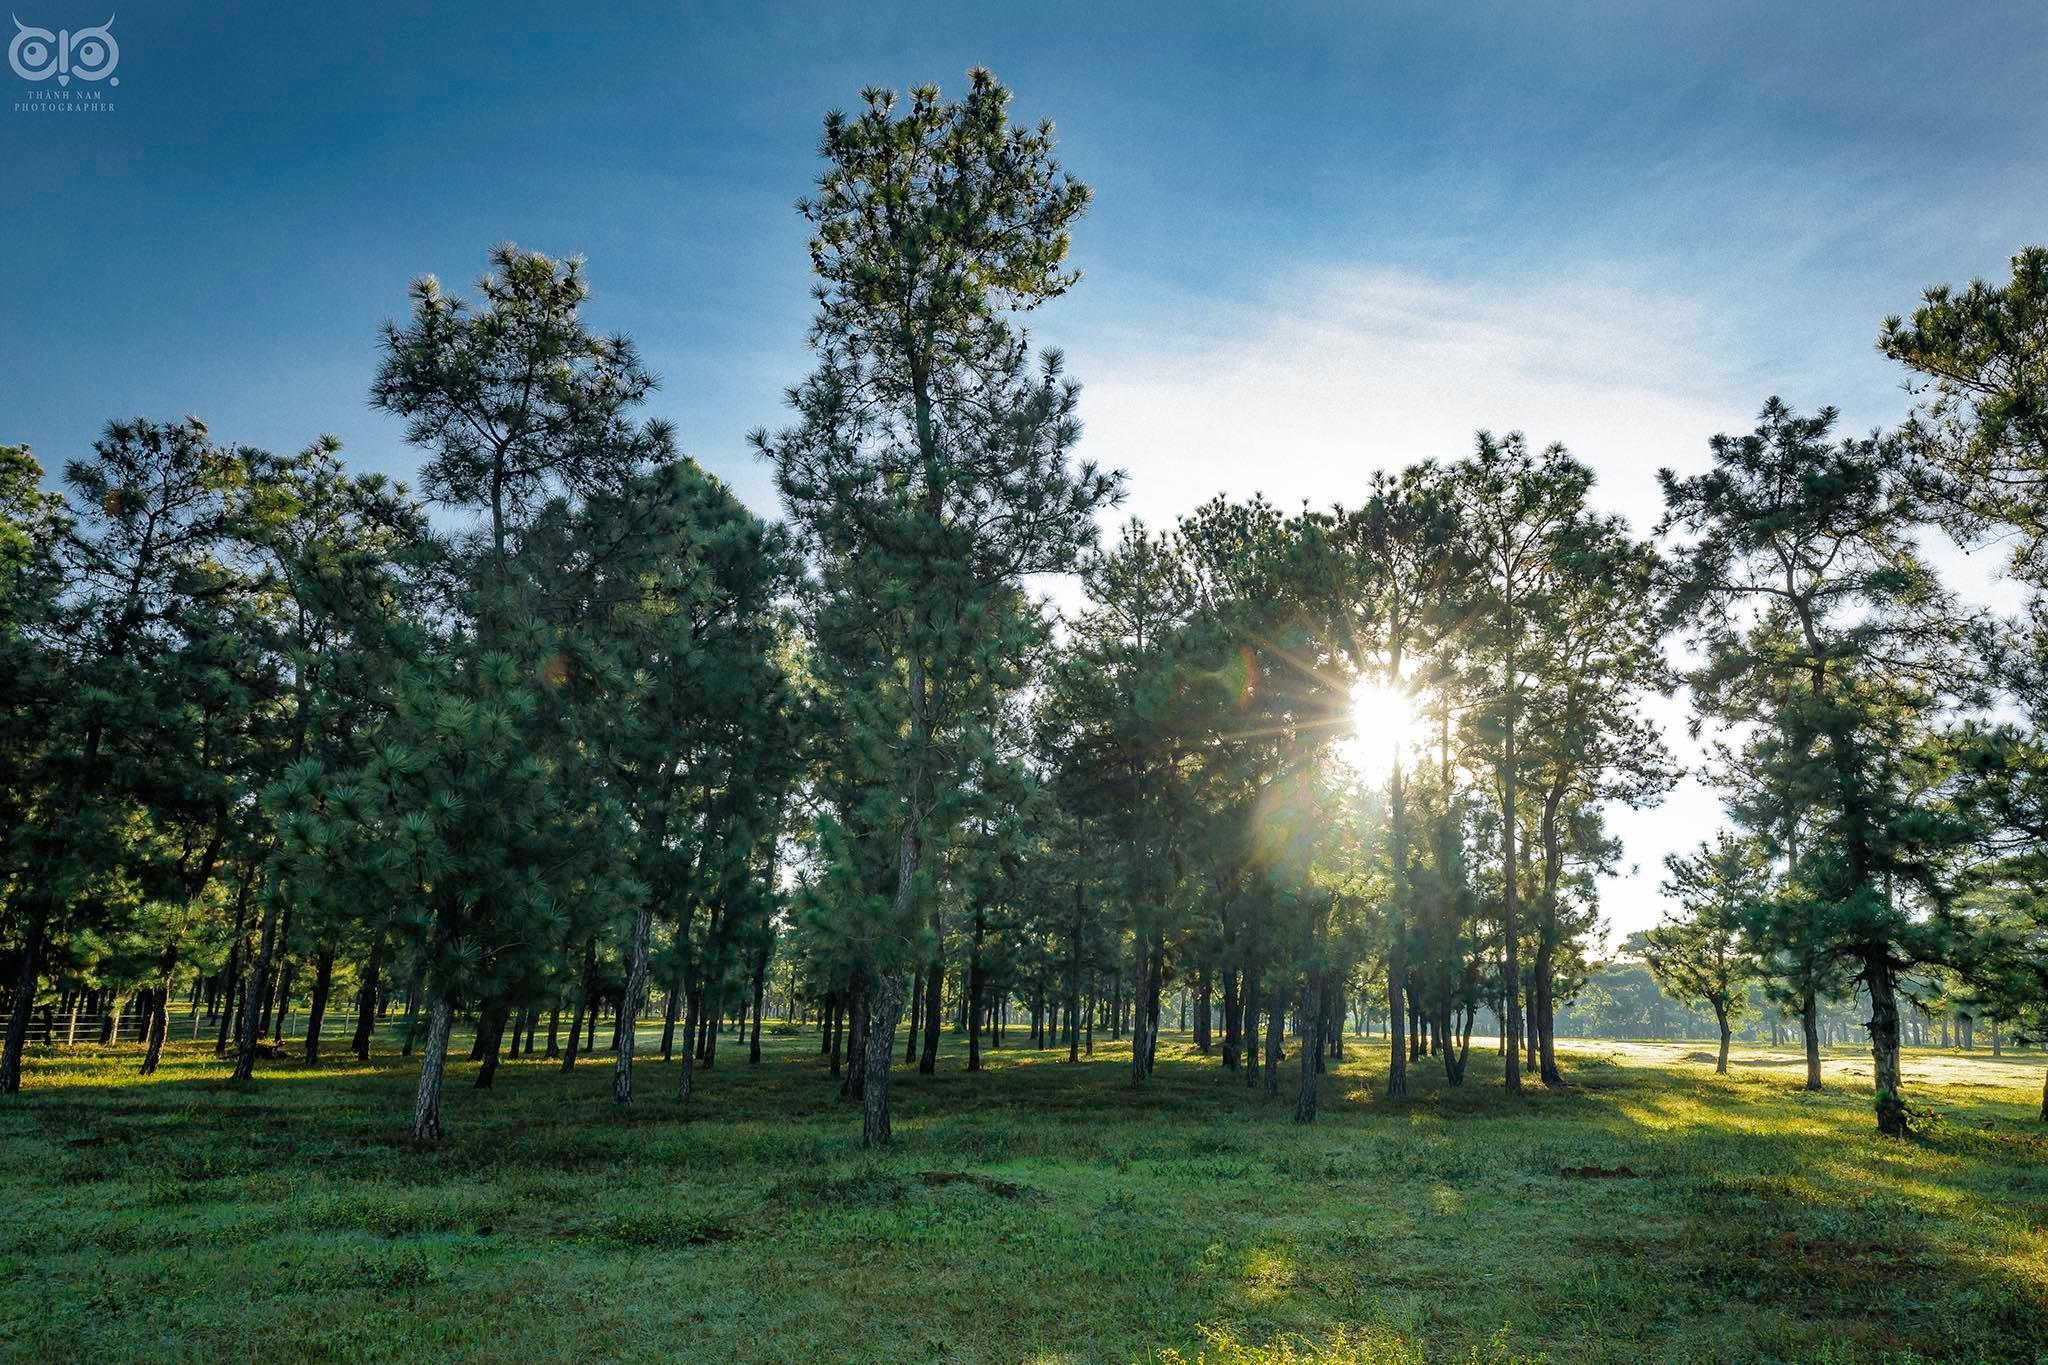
<point>1383,724</point>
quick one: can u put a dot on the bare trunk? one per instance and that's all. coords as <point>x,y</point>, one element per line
<point>426,1105</point>
<point>584,1004</point>
<point>760,990</point>
<point>257,991</point>
<point>1276,1021</point>
<point>636,983</point>
<point>1233,1018</point>
<point>974,993</point>
<point>235,989</point>
<point>1721,1062</point>
<point>491,1033</point>
<point>1809,1024</point>
<point>855,1084</point>
<point>316,1013</point>
<point>1884,1043</point>
<point>1511,977</point>
<point>1453,1056</point>
<point>24,996</point>
<point>284,985</point>
<point>881,1051</point>
<point>1250,1007</point>
<point>686,1082</point>
<point>934,990</point>
<point>1311,1046</point>
<point>1397,1050</point>
<point>888,1004</point>
<point>366,1007</point>
<point>1397,936</point>
<point>1545,1008</point>
<point>156,1023</point>
<point>916,1016</point>
<point>670,1012</point>
<point>1141,1054</point>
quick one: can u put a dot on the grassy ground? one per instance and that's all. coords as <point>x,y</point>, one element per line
<point>1036,1212</point>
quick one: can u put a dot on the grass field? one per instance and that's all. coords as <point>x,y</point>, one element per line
<point>1037,1212</point>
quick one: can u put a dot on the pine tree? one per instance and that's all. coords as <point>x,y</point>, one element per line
<point>1698,955</point>
<point>482,777</point>
<point>928,468</point>
<point>148,511</point>
<point>1813,611</point>
<point>1522,513</point>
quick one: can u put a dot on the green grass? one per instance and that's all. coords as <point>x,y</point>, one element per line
<point>179,1217</point>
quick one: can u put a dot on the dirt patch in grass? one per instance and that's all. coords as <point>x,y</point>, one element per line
<point>1001,1189</point>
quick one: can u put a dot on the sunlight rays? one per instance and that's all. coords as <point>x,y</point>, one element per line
<point>1383,724</point>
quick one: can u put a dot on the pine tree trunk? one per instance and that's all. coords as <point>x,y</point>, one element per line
<point>1250,1007</point>
<point>1511,968</point>
<point>491,1033</point>
<point>366,1008</point>
<point>934,999</point>
<point>24,994</point>
<point>1276,1021</point>
<point>834,1012</point>
<point>881,1052</point>
<point>636,982</point>
<point>1154,977</point>
<point>1233,1019</point>
<point>854,1086</point>
<point>916,1016</point>
<point>760,991</point>
<point>671,1009</point>
<point>1454,1059</point>
<point>1809,1027</point>
<point>1311,1046</point>
<point>583,1004</point>
<point>974,994</point>
<point>1140,1053</point>
<point>1884,1043</point>
<point>284,990</point>
<point>233,989</point>
<point>686,1082</point>
<point>1397,1044</point>
<point>232,995</point>
<point>426,1105</point>
<point>1721,1062</point>
<point>1547,1069</point>
<point>156,1023</point>
<point>257,991</point>
<point>316,1013</point>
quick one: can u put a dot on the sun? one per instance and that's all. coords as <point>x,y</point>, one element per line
<point>1383,724</point>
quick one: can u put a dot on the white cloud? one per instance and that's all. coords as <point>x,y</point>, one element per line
<point>1333,373</point>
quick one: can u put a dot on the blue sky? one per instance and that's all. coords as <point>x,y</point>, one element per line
<point>1325,237</point>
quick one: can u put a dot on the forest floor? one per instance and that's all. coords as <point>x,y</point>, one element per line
<point>1035,1212</point>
